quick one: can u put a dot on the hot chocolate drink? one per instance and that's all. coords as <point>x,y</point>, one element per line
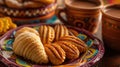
<point>82,4</point>
<point>115,12</point>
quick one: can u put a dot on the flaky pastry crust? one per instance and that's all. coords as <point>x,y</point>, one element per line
<point>26,29</point>
<point>29,46</point>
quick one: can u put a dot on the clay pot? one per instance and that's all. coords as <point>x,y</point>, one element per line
<point>111,26</point>
<point>82,17</point>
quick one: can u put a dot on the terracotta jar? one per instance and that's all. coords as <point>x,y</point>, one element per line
<point>111,26</point>
<point>82,14</point>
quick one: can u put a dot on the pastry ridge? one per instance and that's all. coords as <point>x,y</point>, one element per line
<point>71,50</point>
<point>26,29</point>
<point>55,54</point>
<point>31,40</point>
<point>82,47</point>
<point>60,31</point>
<point>47,34</point>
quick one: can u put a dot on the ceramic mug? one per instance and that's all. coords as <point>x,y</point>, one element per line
<point>111,26</point>
<point>81,13</point>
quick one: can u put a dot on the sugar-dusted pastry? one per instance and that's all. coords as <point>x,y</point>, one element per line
<point>26,3</point>
<point>26,29</point>
<point>82,47</point>
<point>13,4</point>
<point>29,46</point>
<point>32,4</point>
<point>47,34</point>
<point>55,54</point>
<point>60,31</point>
<point>71,50</point>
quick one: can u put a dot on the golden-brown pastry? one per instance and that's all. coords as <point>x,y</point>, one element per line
<point>47,34</point>
<point>6,24</point>
<point>29,46</point>
<point>13,4</point>
<point>55,54</point>
<point>26,3</point>
<point>71,50</point>
<point>73,32</point>
<point>1,27</point>
<point>82,47</point>
<point>32,4</point>
<point>26,29</point>
<point>12,25</point>
<point>60,31</point>
<point>47,2</point>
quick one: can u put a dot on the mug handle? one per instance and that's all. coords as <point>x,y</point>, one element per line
<point>58,14</point>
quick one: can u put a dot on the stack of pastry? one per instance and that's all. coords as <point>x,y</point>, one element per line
<point>6,24</point>
<point>26,10</point>
<point>53,44</point>
<point>26,3</point>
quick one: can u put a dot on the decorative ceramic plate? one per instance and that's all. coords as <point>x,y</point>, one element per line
<point>95,50</point>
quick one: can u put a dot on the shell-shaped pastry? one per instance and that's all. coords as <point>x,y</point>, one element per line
<point>47,34</point>
<point>55,54</point>
<point>82,47</point>
<point>60,31</point>
<point>71,50</point>
<point>29,46</point>
<point>73,32</point>
<point>26,29</point>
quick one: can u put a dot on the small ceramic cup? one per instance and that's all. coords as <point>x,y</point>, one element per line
<point>81,13</point>
<point>111,26</point>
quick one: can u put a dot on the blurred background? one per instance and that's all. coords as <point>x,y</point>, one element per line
<point>111,1</point>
